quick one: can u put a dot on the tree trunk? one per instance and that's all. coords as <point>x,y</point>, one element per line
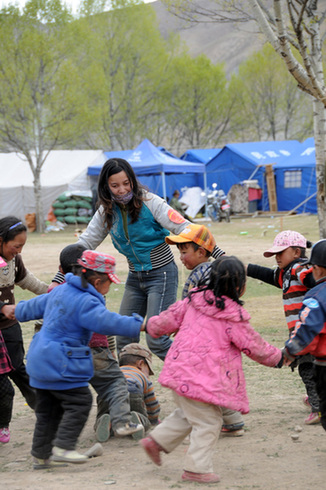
<point>320,137</point>
<point>38,202</point>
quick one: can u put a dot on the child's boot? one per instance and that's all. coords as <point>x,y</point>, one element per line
<point>200,477</point>
<point>139,434</point>
<point>127,429</point>
<point>67,456</point>
<point>46,464</point>
<point>4,435</point>
<point>103,428</point>
<point>233,430</point>
<point>152,449</point>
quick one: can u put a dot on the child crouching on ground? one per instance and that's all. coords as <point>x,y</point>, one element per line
<point>136,364</point>
<point>203,367</point>
<point>59,360</point>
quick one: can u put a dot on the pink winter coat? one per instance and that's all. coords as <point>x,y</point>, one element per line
<point>204,361</point>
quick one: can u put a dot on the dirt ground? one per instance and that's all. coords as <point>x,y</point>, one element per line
<point>265,458</point>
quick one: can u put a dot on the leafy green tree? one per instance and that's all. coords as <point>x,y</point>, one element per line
<point>270,103</point>
<point>124,67</point>
<point>199,106</point>
<point>39,103</point>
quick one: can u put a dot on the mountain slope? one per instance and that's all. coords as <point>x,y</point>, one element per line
<point>221,43</point>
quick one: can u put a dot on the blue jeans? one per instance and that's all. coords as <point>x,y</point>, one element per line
<point>148,293</point>
<point>110,384</point>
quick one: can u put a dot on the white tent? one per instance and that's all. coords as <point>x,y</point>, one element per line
<point>63,170</point>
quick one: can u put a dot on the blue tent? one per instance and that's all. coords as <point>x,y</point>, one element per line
<point>198,155</point>
<point>296,180</point>
<point>160,172</point>
<point>96,169</point>
<point>246,161</point>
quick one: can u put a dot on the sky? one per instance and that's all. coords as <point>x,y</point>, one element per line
<point>73,3</point>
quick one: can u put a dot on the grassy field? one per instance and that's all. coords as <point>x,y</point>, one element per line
<point>265,458</point>
<point>246,238</point>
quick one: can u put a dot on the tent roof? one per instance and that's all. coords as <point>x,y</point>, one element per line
<point>200,155</point>
<point>257,153</point>
<point>95,169</point>
<point>305,156</point>
<point>60,167</point>
<point>146,159</point>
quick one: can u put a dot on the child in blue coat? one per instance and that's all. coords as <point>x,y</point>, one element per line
<point>59,360</point>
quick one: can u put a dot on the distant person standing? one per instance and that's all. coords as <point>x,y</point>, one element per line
<point>176,204</point>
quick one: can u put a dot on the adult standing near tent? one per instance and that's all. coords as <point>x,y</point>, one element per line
<point>138,222</point>
<point>176,204</point>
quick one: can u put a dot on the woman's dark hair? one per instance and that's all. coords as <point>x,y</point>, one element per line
<point>10,226</point>
<point>112,167</point>
<point>227,278</point>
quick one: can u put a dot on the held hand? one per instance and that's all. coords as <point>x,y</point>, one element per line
<point>286,361</point>
<point>287,358</point>
<point>9,311</point>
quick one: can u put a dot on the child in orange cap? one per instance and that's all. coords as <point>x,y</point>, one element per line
<point>196,244</point>
<point>294,277</point>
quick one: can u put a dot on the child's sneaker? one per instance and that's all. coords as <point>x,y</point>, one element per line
<point>152,449</point>
<point>233,430</point>
<point>128,429</point>
<point>200,477</point>
<point>46,464</point>
<point>67,456</point>
<point>102,430</point>
<point>135,419</point>
<point>4,435</point>
<point>313,418</point>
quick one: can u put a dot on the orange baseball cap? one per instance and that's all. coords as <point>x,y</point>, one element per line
<point>198,234</point>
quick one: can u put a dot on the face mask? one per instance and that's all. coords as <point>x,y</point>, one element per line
<point>123,199</point>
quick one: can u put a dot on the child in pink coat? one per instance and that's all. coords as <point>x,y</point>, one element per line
<point>203,367</point>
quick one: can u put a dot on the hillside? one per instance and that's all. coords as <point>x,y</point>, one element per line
<point>223,43</point>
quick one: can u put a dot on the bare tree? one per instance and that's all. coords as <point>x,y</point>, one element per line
<point>296,31</point>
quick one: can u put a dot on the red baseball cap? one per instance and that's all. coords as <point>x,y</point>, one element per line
<point>99,262</point>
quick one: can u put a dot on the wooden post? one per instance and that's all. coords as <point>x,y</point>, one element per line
<point>270,181</point>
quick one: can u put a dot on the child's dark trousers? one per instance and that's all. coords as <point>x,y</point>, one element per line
<point>60,418</point>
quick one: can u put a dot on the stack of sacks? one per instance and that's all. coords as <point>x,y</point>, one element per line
<point>73,209</point>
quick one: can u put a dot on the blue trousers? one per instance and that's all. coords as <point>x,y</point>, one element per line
<point>148,293</point>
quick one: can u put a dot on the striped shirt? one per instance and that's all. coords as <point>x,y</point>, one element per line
<point>160,256</point>
<point>195,276</point>
<point>294,280</point>
<point>138,383</point>
<point>199,272</point>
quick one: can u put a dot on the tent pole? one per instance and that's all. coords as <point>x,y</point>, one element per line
<point>163,185</point>
<point>205,187</point>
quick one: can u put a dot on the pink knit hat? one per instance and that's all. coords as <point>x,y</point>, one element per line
<point>284,240</point>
